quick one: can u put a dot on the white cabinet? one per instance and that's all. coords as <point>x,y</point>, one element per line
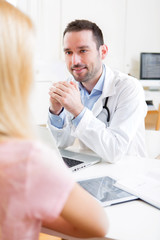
<point>46,16</point>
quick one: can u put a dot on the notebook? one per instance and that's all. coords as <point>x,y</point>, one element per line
<point>105,191</point>
<point>146,186</point>
<point>74,160</point>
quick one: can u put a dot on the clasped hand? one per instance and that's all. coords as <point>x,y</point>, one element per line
<point>67,95</point>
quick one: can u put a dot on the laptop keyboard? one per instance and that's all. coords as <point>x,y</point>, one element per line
<point>71,162</point>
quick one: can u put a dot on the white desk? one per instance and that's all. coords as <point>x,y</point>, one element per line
<point>155,108</point>
<point>135,220</point>
<point>154,96</point>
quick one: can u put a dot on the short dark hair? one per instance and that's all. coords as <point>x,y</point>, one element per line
<point>79,25</point>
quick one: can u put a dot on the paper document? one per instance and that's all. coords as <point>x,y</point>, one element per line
<point>146,187</point>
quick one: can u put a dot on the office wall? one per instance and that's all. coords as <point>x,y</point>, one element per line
<point>48,67</point>
<point>142,32</point>
<point>129,27</point>
<point>109,16</point>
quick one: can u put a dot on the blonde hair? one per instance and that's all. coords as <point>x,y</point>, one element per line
<point>16,71</point>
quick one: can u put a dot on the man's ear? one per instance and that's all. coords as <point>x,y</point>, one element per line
<point>103,51</point>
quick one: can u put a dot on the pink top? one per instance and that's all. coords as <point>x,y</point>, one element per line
<point>34,185</point>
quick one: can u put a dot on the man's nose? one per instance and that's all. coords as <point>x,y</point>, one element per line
<point>76,59</point>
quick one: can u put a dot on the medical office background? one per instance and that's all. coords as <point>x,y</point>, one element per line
<point>129,27</point>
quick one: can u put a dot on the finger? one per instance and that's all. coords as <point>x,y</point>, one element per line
<point>56,90</point>
<point>74,84</point>
<point>64,89</point>
<point>64,86</point>
<point>59,86</point>
<point>55,98</point>
<point>68,85</point>
<point>52,88</point>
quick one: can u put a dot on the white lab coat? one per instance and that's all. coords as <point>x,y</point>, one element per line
<point>125,133</point>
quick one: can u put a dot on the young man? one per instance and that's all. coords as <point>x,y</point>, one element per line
<point>106,109</point>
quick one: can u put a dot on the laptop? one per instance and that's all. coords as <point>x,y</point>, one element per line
<point>74,160</point>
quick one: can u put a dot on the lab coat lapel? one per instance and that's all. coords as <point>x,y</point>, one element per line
<point>108,90</point>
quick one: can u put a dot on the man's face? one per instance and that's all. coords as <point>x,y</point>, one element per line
<point>82,57</point>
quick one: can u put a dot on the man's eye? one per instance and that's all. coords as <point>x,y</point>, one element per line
<point>83,51</point>
<point>68,52</point>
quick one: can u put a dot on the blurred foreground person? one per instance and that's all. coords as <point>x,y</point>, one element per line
<point>35,186</point>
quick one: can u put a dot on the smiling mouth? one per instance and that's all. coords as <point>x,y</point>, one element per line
<point>78,69</point>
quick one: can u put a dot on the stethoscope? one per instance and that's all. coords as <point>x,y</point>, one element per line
<point>107,109</point>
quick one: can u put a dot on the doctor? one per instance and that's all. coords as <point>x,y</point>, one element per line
<point>104,109</point>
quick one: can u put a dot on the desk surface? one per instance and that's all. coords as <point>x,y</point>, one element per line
<point>43,236</point>
<point>132,220</point>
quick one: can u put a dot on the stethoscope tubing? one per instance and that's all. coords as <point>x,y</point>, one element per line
<point>107,109</point>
